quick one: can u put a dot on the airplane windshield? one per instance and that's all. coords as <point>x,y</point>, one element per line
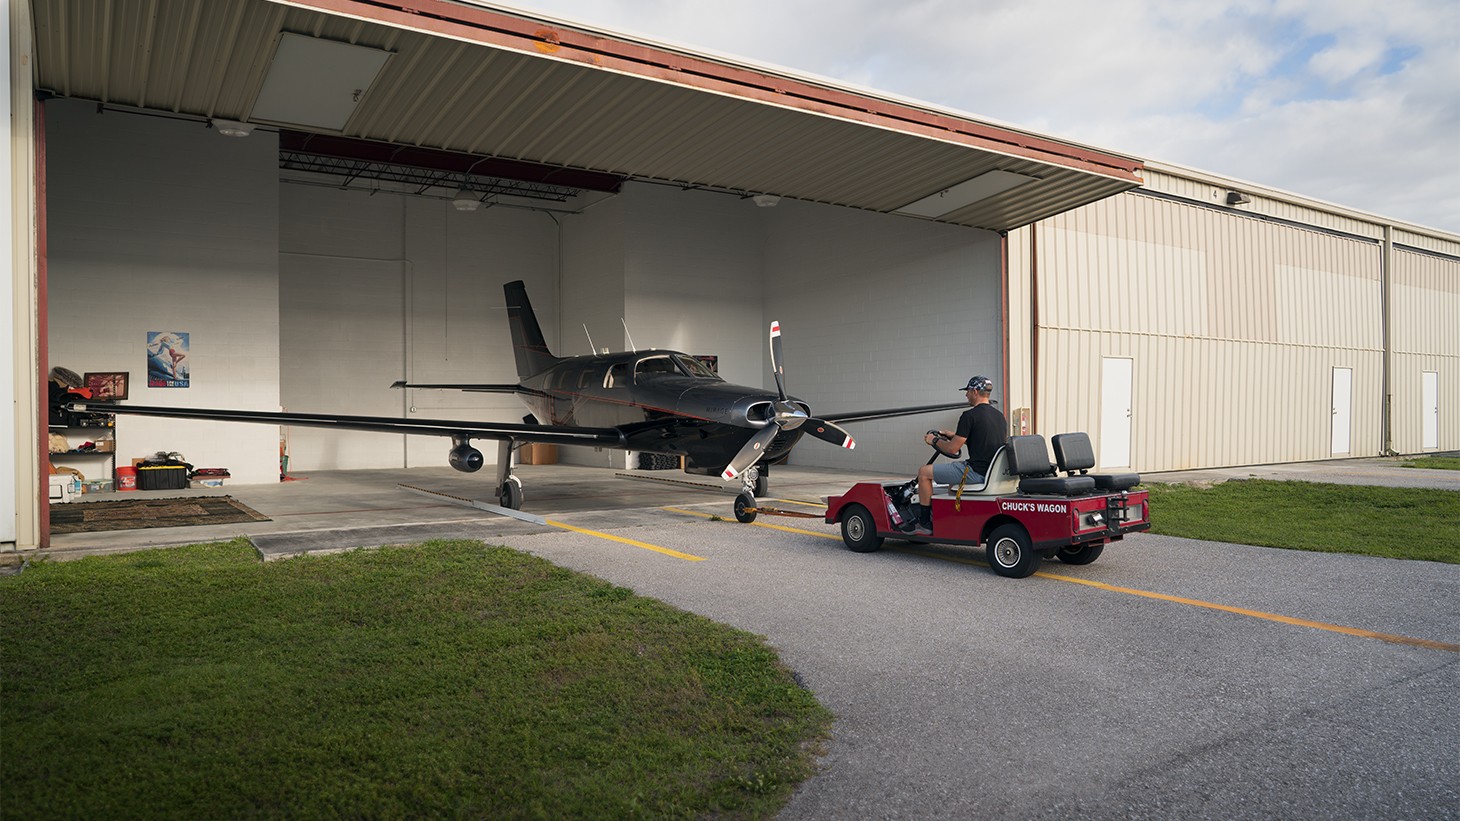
<point>696,368</point>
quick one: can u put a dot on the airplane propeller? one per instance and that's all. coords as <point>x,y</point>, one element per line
<point>785,415</point>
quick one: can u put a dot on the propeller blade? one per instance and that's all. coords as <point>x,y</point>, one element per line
<point>828,432</point>
<point>751,452</point>
<point>777,368</point>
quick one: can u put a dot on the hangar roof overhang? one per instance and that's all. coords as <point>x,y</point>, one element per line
<point>469,78</point>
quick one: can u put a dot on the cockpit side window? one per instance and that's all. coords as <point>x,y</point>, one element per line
<point>696,368</point>
<point>656,365</point>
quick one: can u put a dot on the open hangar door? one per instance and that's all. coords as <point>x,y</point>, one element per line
<point>882,256</point>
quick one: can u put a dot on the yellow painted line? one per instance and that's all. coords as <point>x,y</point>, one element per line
<point>645,545</point>
<point>1258,614</point>
<point>756,524</point>
<point>1131,591</point>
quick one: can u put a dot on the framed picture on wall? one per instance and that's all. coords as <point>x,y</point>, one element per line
<point>107,385</point>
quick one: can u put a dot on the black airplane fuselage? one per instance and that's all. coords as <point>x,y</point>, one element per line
<point>663,402</point>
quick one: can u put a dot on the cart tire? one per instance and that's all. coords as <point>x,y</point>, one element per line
<point>1010,553</point>
<point>1081,554</point>
<point>744,508</point>
<point>509,495</point>
<point>859,530</point>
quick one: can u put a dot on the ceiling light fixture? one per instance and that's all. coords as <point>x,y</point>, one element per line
<point>231,128</point>
<point>765,200</point>
<point>465,200</point>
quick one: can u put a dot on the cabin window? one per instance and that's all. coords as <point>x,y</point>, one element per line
<point>617,376</point>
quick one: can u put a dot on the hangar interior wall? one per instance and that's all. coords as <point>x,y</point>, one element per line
<point>316,299</point>
<point>156,225</point>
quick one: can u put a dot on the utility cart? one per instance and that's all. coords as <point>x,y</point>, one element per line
<point>1023,513</point>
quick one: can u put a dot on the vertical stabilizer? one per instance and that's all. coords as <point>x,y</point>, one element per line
<point>528,344</point>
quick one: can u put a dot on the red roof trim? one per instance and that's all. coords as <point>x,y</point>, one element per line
<point>532,37</point>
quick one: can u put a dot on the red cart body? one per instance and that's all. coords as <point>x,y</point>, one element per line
<point>1023,513</point>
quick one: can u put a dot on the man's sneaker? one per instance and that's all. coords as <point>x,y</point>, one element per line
<point>921,530</point>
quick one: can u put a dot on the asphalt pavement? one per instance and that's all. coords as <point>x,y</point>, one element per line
<point>1172,678</point>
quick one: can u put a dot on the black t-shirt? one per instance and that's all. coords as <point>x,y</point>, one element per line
<point>986,429</point>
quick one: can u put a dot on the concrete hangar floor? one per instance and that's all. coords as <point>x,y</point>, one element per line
<point>1171,678</point>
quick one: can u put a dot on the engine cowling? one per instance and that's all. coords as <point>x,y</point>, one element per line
<point>466,458</point>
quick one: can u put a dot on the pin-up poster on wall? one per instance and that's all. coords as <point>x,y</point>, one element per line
<point>167,359</point>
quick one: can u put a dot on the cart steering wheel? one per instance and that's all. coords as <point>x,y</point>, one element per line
<point>938,437</point>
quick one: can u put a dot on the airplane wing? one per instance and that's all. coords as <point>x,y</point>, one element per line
<point>864,416</point>
<point>549,434</point>
<point>465,386</point>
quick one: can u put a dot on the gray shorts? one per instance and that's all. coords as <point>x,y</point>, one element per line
<point>951,473</point>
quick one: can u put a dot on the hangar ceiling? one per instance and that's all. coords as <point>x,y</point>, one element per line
<point>468,78</point>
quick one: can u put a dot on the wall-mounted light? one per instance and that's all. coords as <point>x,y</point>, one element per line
<point>1237,198</point>
<point>232,128</point>
<point>465,200</point>
<point>765,200</point>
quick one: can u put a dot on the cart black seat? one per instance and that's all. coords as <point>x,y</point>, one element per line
<point>1029,458</point>
<point>1075,456</point>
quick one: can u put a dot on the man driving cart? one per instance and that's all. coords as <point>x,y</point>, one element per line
<point>983,429</point>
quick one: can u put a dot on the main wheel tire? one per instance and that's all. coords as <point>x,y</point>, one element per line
<point>1010,552</point>
<point>745,508</point>
<point>859,530</point>
<point>509,495</point>
<point>1082,554</point>
<point>762,483</point>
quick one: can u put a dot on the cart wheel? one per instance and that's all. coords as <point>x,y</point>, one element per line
<point>1083,554</point>
<point>745,508</point>
<point>859,531</point>
<point>1010,552</point>
<point>509,495</point>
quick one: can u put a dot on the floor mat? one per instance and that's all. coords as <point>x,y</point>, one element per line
<point>133,514</point>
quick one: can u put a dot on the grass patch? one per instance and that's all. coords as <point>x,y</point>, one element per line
<point>448,679</point>
<point>1434,462</point>
<point>1397,523</point>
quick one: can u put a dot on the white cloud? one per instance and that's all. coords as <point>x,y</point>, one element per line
<point>1350,101</point>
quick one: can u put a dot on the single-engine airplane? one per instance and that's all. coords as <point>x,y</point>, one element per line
<point>655,401</point>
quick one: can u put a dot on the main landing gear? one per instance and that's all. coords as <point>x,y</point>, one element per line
<point>509,487</point>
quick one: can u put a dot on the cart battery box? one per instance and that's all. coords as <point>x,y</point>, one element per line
<point>162,477</point>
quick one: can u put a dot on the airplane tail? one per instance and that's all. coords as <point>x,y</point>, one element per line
<point>527,340</point>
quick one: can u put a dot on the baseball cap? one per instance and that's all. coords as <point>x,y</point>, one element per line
<point>982,384</point>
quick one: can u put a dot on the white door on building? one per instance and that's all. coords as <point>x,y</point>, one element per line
<point>1115,416</point>
<point>1343,387</point>
<point>1430,404</point>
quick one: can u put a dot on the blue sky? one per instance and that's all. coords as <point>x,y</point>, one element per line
<point>1356,102</point>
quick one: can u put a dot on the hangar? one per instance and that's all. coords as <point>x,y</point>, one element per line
<point>326,195</point>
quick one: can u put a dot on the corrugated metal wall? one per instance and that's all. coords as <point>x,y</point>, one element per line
<point>1425,337</point>
<point>1234,326</point>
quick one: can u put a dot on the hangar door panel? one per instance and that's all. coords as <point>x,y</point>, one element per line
<point>341,345</point>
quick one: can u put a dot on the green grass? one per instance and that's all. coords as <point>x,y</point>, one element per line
<point>448,679</point>
<point>1399,523</point>
<point>1434,462</point>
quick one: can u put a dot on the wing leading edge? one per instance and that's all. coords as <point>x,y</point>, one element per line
<point>548,434</point>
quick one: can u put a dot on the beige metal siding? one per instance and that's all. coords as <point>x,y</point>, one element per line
<point>1425,337</point>
<point>1234,325</point>
<point>1265,201</point>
